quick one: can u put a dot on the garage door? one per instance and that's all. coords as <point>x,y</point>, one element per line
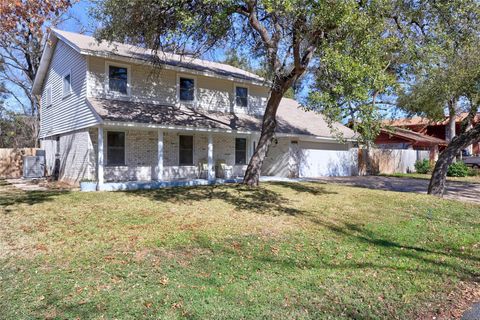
<point>316,161</point>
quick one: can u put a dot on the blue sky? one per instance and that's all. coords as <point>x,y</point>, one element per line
<point>81,21</point>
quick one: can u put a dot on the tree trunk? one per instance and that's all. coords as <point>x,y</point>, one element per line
<point>269,124</point>
<point>452,115</point>
<point>439,175</point>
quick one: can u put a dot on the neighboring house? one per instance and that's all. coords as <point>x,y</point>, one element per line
<point>108,115</point>
<point>436,129</point>
<point>400,138</point>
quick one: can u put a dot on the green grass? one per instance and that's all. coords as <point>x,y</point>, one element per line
<point>472,179</point>
<point>282,251</point>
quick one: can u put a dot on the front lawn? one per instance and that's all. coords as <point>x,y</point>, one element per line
<point>285,250</point>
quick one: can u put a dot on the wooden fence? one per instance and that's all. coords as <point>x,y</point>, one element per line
<point>388,161</point>
<point>11,161</point>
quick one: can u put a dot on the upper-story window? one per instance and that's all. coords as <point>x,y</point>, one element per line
<point>241,96</point>
<point>118,79</point>
<point>48,96</point>
<point>67,84</point>
<point>186,91</point>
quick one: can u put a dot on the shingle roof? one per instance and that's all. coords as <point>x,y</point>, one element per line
<point>425,121</point>
<point>291,118</point>
<point>417,138</point>
<point>87,44</point>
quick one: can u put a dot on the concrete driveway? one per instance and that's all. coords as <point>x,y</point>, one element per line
<point>469,192</point>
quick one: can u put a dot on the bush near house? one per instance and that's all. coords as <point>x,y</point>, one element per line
<point>458,169</point>
<point>423,166</point>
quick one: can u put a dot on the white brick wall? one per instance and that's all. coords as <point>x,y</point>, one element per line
<point>160,86</point>
<point>77,159</point>
<point>141,155</point>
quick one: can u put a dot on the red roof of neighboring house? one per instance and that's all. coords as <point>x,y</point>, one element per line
<point>415,137</point>
<point>425,121</point>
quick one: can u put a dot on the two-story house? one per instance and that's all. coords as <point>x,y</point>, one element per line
<point>107,114</point>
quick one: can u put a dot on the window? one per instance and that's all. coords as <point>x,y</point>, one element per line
<point>186,150</point>
<point>118,79</point>
<point>186,89</point>
<point>241,96</point>
<point>48,96</point>
<point>240,151</point>
<point>115,148</point>
<point>67,84</point>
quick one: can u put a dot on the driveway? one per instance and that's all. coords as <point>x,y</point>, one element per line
<point>469,192</point>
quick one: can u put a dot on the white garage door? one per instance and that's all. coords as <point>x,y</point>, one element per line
<point>323,163</point>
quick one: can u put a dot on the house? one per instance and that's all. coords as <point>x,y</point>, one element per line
<point>108,115</point>
<point>436,129</point>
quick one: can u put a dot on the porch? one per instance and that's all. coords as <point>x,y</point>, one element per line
<point>151,158</point>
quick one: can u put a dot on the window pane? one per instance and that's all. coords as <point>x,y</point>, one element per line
<point>48,98</point>
<point>240,151</point>
<point>116,148</point>
<point>187,89</point>
<point>118,79</point>
<point>66,84</point>
<point>186,150</point>
<point>241,96</point>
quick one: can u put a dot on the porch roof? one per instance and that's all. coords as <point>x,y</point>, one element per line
<point>414,137</point>
<point>291,118</point>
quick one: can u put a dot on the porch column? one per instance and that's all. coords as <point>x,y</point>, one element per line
<point>211,171</point>
<point>100,161</point>
<point>159,168</point>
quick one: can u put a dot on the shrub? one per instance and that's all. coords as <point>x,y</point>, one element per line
<point>473,172</point>
<point>458,169</point>
<point>423,166</point>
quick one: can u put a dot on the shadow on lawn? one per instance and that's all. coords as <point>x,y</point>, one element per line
<point>10,197</point>
<point>259,200</point>
<point>431,259</point>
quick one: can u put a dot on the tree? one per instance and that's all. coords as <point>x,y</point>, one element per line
<point>459,79</point>
<point>233,58</point>
<point>445,76</point>
<point>22,30</point>
<point>287,36</point>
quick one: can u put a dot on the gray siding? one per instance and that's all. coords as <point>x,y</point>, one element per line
<point>70,112</point>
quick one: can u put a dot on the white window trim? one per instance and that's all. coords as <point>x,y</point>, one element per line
<point>66,94</point>
<point>235,86</point>
<point>116,94</point>
<point>193,150</point>
<point>195,88</point>
<point>105,147</point>
<point>47,95</point>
